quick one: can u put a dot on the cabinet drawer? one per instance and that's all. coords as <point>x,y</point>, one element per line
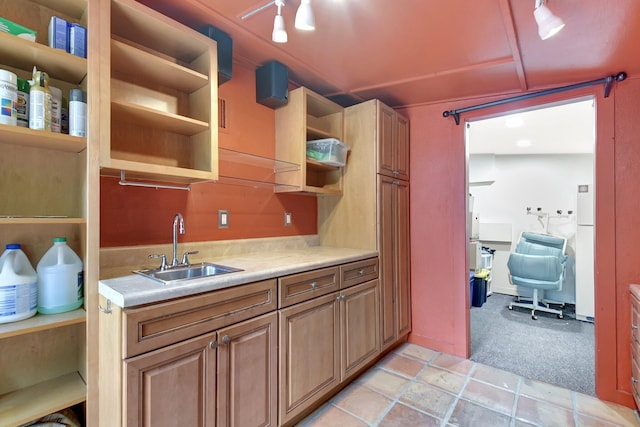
<point>635,370</point>
<point>358,272</point>
<point>158,325</point>
<point>304,286</point>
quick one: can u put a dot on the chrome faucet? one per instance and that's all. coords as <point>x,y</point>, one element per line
<point>178,221</point>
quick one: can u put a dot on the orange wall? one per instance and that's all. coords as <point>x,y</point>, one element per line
<point>439,278</point>
<point>137,216</point>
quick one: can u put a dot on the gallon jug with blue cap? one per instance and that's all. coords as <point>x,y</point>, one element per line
<point>18,285</point>
<point>60,279</point>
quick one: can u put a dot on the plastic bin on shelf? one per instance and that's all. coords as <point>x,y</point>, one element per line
<point>329,151</point>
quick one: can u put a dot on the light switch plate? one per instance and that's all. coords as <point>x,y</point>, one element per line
<point>223,219</point>
<point>287,219</point>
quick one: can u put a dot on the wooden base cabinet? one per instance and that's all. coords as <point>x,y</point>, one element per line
<point>324,342</point>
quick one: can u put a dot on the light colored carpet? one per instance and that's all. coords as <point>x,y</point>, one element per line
<point>556,351</point>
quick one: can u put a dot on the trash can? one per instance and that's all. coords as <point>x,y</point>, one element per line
<point>472,277</point>
<point>480,288</point>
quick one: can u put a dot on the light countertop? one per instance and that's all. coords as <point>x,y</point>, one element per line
<point>134,289</point>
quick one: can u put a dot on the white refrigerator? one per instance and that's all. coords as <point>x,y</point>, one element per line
<point>585,301</point>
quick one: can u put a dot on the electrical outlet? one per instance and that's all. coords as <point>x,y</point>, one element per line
<point>223,219</point>
<point>287,219</point>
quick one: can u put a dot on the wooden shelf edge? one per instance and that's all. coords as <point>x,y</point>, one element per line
<point>30,403</point>
<point>17,135</point>
<point>156,173</point>
<point>144,116</point>
<point>321,190</point>
<point>8,220</point>
<point>41,322</point>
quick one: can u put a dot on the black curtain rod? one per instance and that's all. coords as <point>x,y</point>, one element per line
<point>607,81</point>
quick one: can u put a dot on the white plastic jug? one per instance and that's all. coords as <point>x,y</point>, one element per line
<point>18,285</point>
<point>60,279</point>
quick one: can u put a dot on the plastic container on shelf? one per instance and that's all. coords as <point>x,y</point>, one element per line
<point>329,151</point>
<point>18,285</point>
<point>60,279</point>
<point>8,98</point>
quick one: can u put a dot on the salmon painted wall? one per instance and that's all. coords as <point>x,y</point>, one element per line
<point>439,277</point>
<point>137,216</point>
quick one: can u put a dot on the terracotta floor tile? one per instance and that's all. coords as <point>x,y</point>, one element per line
<point>469,414</point>
<point>611,412</point>
<point>547,392</point>
<point>492,397</point>
<point>403,416</point>
<point>363,403</point>
<point>449,381</point>
<point>428,398</point>
<point>331,416</point>
<point>496,376</point>
<point>401,365</point>
<point>543,413</point>
<point>453,363</point>
<point>586,421</point>
<point>384,382</point>
<point>418,352</point>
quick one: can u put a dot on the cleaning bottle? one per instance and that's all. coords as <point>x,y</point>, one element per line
<point>18,285</point>
<point>60,279</point>
<point>40,101</point>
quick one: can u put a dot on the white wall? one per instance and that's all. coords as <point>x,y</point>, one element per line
<point>546,181</point>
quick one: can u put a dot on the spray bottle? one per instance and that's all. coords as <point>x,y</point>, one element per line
<point>40,101</point>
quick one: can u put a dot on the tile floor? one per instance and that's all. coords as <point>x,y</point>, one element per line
<point>416,386</point>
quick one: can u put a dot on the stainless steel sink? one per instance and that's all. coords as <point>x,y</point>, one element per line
<point>180,273</point>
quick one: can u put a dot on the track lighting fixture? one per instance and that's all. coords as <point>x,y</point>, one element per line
<point>304,19</point>
<point>548,23</point>
<point>304,16</point>
<point>279,34</point>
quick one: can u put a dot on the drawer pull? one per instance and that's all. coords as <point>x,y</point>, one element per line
<point>226,340</point>
<point>634,327</point>
<point>633,380</point>
<point>314,285</point>
<point>361,272</point>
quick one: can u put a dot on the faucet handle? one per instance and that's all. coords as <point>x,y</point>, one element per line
<point>163,262</point>
<point>185,257</point>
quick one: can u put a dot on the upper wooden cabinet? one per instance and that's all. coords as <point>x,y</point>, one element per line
<point>163,103</point>
<point>43,183</point>
<point>307,116</point>
<point>393,131</point>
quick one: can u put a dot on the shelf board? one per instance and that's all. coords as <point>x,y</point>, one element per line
<point>74,8</point>
<point>39,220</point>
<point>322,190</point>
<point>234,156</point>
<point>155,69</point>
<point>319,133</point>
<point>41,139</point>
<point>153,172</point>
<point>319,166</point>
<point>41,322</point>
<point>30,403</point>
<point>254,183</point>
<point>144,116</point>
<point>24,54</point>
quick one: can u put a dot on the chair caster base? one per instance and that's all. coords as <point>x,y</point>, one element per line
<point>560,316</point>
<point>533,315</point>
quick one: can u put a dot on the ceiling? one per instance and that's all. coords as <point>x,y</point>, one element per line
<point>559,129</point>
<point>411,52</point>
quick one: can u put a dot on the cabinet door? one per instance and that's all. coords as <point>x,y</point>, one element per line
<point>360,332</point>
<point>172,386</point>
<point>386,137</point>
<point>309,354</point>
<point>386,249</point>
<point>401,255</point>
<point>401,151</point>
<point>247,373</point>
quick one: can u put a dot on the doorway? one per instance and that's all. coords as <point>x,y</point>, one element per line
<point>525,170</point>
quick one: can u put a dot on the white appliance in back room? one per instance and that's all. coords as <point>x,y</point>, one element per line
<point>585,302</point>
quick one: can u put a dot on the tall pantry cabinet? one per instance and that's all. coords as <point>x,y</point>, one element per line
<point>373,212</point>
<point>44,181</point>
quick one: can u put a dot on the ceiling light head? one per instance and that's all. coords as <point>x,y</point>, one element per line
<point>548,23</point>
<point>304,16</point>
<point>279,34</point>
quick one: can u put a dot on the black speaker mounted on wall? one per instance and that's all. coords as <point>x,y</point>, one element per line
<point>272,84</point>
<point>225,52</point>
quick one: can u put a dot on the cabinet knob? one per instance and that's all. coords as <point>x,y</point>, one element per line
<point>226,339</point>
<point>633,380</point>
<point>361,272</point>
<point>396,182</point>
<point>213,345</point>
<point>314,285</point>
<point>634,326</point>
<point>396,173</point>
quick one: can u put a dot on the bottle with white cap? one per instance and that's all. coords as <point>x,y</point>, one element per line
<point>18,285</point>
<point>60,279</point>
<point>77,113</point>
<point>8,98</point>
